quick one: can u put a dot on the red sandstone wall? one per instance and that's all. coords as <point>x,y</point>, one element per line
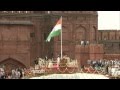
<point>75,28</point>
<point>96,51</point>
<point>82,54</point>
<point>14,43</point>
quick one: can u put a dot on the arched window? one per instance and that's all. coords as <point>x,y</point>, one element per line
<point>94,33</point>
<point>105,38</point>
<point>112,45</point>
<point>80,34</point>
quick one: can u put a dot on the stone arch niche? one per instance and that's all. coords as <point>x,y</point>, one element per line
<point>94,33</point>
<point>10,64</point>
<point>65,34</point>
<point>80,33</point>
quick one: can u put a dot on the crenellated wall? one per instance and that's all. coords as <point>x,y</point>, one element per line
<point>110,40</point>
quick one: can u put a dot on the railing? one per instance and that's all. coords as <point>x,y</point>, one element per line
<point>54,67</point>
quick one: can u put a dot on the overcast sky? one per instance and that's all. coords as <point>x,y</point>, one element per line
<point>108,20</point>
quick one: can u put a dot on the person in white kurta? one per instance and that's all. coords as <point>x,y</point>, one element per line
<point>58,61</point>
<point>50,65</point>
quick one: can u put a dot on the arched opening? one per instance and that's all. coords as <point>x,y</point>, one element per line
<point>94,34</point>
<point>9,64</point>
<point>80,34</point>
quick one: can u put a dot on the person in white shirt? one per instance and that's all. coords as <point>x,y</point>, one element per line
<point>58,61</point>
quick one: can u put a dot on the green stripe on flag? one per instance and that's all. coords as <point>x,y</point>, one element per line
<point>53,34</point>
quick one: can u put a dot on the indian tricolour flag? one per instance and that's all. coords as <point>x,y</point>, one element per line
<point>56,30</point>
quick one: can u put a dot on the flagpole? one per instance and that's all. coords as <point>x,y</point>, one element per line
<point>61,41</point>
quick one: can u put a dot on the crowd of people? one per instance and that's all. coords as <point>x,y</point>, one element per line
<point>20,73</point>
<point>13,74</point>
<point>103,63</point>
<point>106,65</point>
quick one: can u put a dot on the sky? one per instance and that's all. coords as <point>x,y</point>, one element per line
<point>108,20</point>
